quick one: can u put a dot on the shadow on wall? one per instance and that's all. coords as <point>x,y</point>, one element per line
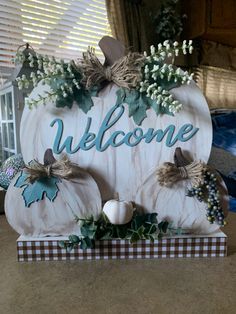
<point>2,197</point>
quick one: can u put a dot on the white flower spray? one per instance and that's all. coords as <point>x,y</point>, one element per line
<point>156,70</point>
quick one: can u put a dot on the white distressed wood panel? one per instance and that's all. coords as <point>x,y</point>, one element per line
<point>125,170</point>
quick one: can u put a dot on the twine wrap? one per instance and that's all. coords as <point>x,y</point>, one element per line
<point>169,173</point>
<point>63,169</point>
<point>126,72</point>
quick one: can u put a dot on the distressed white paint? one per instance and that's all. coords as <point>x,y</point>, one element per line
<point>80,197</point>
<point>125,170</point>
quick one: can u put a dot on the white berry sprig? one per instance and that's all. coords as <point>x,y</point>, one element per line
<point>157,72</point>
<point>58,74</point>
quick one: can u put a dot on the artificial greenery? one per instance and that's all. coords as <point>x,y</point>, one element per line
<point>158,79</point>
<point>63,79</point>
<point>152,91</point>
<point>207,191</point>
<point>140,227</point>
<point>168,22</point>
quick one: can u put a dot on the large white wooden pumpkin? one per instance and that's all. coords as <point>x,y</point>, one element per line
<point>125,170</point>
<point>79,197</point>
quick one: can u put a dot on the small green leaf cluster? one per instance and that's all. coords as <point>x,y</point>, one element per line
<point>140,227</point>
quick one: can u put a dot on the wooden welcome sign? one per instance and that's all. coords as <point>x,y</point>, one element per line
<point>123,157</point>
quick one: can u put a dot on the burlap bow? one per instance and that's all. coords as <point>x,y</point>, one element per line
<point>126,72</point>
<point>62,168</point>
<point>169,173</point>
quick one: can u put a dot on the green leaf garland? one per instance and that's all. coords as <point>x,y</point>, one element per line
<point>140,227</point>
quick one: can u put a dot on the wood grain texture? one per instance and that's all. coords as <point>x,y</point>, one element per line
<point>79,197</point>
<point>130,172</point>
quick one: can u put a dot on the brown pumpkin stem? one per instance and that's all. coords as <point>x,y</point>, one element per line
<point>179,159</point>
<point>48,159</point>
<point>112,49</point>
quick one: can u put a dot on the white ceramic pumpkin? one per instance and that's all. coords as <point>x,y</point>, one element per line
<point>79,197</point>
<point>124,170</point>
<point>118,212</point>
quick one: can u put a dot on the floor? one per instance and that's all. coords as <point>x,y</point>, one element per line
<point>148,286</point>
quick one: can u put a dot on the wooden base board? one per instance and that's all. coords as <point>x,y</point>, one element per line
<point>48,249</point>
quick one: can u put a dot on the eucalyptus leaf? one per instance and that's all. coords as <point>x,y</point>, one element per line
<point>86,243</point>
<point>69,247</point>
<point>88,230</point>
<point>62,244</point>
<point>74,238</point>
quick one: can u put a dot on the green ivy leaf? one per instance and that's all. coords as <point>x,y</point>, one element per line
<point>44,187</point>
<point>120,96</point>
<point>136,102</point>
<point>83,99</point>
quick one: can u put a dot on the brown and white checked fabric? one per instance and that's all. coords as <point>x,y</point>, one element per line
<point>49,250</point>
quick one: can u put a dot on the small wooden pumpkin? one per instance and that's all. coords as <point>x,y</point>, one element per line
<point>79,196</point>
<point>118,212</point>
<point>172,204</point>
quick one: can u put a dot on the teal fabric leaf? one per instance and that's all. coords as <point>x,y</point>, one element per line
<point>94,91</point>
<point>136,102</point>
<point>140,115</point>
<point>45,187</point>
<point>132,96</point>
<point>83,99</point>
<point>120,96</point>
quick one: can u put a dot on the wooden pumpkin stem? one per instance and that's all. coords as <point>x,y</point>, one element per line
<point>179,159</point>
<point>112,49</point>
<point>48,157</point>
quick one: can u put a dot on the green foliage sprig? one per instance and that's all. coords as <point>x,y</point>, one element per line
<point>169,23</point>
<point>158,77</point>
<point>140,227</point>
<point>63,79</point>
<point>153,91</point>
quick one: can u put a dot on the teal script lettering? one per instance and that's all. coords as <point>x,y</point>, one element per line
<point>131,139</point>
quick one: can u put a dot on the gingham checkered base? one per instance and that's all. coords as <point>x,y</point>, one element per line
<point>47,249</point>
